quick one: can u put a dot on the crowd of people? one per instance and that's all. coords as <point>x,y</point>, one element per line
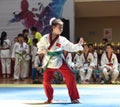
<point>86,66</point>
<point>23,52</point>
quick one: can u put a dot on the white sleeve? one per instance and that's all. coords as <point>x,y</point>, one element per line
<point>70,47</point>
<point>78,60</point>
<point>36,62</point>
<point>92,63</point>
<point>115,63</point>
<point>42,45</point>
<point>33,52</point>
<point>81,62</point>
<point>9,43</point>
<point>14,50</point>
<point>28,49</point>
<point>96,59</point>
<point>103,62</point>
<point>69,60</point>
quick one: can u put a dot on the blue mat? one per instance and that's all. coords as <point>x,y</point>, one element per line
<point>90,96</point>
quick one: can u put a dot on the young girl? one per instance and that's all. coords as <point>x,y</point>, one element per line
<point>53,45</point>
<point>20,50</point>
<point>5,45</point>
<point>109,64</point>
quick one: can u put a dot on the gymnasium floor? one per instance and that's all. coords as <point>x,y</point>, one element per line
<point>29,95</point>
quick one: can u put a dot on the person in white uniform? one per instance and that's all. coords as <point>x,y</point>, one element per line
<point>86,65</point>
<point>20,50</point>
<point>27,61</point>
<point>96,70</point>
<point>52,45</point>
<point>5,46</point>
<point>109,64</point>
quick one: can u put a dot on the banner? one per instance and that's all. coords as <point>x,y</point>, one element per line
<point>16,15</point>
<point>108,33</point>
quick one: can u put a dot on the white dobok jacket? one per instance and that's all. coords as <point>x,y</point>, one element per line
<point>59,45</point>
<point>90,59</point>
<point>106,62</point>
<point>6,53</point>
<point>18,49</point>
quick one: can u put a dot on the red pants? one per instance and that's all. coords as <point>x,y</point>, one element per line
<point>69,79</point>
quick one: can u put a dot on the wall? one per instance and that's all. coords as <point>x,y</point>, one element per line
<point>92,29</point>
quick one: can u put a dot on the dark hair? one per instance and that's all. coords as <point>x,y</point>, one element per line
<point>26,39</point>
<point>35,41</point>
<point>3,36</point>
<point>109,45</point>
<point>34,29</point>
<point>85,45</point>
<point>105,39</point>
<point>25,30</point>
<point>20,35</point>
<point>90,45</point>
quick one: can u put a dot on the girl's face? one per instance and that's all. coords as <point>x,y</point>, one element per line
<point>57,29</point>
<point>109,49</point>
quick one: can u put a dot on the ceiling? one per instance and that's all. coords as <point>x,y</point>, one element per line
<point>97,8</point>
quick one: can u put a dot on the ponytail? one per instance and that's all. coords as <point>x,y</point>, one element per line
<point>3,36</point>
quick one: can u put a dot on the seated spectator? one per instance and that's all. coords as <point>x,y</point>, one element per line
<point>37,69</point>
<point>76,66</point>
<point>109,64</point>
<point>86,65</point>
<point>95,69</point>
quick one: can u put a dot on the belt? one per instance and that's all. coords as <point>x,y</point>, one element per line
<point>52,54</point>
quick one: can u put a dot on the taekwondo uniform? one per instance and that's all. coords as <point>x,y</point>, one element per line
<point>111,62</point>
<point>56,63</point>
<point>26,63</point>
<point>76,64</point>
<point>5,57</point>
<point>95,56</point>
<point>86,64</point>
<point>19,59</point>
